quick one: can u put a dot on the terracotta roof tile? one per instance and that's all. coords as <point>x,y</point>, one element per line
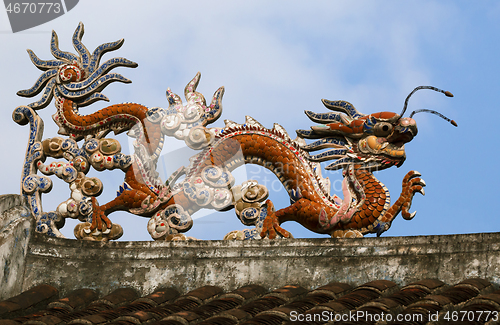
<point>480,284</point>
<point>248,292</point>
<point>203,294</point>
<point>429,284</point>
<point>33,299</point>
<point>303,304</point>
<point>181,305</point>
<point>357,297</point>
<point>47,319</point>
<point>253,304</point>
<point>334,289</point>
<point>8,322</point>
<point>160,296</point>
<point>259,305</point>
<point>118,297</point>
<point>407,295</point>
<point>76,299</point>
<point>491,299</point>
<point>7,307</point>
<point>232,316</point>
<point>483,306</point>
<point>141,316</point>
<point>288,292</point>
<point>382,286</point>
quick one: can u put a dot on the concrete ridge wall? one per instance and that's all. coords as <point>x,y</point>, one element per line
<point>7,202</point>
<point>70,264</point>
<point>15,229</point>
<point>28,258</point>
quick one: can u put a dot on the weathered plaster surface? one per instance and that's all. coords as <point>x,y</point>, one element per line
<point>70,264</point>
<point>15,225</point>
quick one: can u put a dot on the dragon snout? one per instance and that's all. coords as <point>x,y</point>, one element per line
<point>404,131</point>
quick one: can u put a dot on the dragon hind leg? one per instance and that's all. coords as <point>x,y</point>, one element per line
<point>271,226</point>
<point>304,211</point>
<point>125,201</point>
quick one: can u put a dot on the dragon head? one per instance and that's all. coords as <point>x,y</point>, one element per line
<point>374,141</point>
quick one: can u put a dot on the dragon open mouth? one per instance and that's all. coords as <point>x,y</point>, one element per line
<point>379,161</point>
<point>399,139</point>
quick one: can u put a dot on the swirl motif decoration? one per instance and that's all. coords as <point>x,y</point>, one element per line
<point>354,142</point>
<point>77,77</point>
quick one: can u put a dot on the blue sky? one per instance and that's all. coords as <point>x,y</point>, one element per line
<point>279,58</point>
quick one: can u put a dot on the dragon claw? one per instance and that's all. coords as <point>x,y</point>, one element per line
<point>412,175</point>
<point>411,215</point>
<point>412,183</point>
<point>99,220</point>
<point>271,228</point>
<point>408,216</point>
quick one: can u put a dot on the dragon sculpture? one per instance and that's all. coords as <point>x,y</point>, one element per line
<point>357,143</point>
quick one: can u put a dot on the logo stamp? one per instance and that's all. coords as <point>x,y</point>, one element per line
<point>27,14</point>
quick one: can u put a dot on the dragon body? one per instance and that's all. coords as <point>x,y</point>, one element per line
<point>366,205</point>
<point>356,143</point>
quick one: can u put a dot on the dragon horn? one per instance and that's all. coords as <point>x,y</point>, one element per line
<point>215,108</point>
<point>191,94</point>
<point>193,84</point>
<point>217,99</point>
<point>173,99</point>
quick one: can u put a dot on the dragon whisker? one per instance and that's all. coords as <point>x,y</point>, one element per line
<point>447,93</point>
<point>435,113</point>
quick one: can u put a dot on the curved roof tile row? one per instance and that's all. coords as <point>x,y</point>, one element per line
<point>254,304</point>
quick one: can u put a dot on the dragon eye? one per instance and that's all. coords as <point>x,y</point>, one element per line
<point>382,129</point>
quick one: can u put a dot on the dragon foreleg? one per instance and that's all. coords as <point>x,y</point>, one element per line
<point>412,183</point>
